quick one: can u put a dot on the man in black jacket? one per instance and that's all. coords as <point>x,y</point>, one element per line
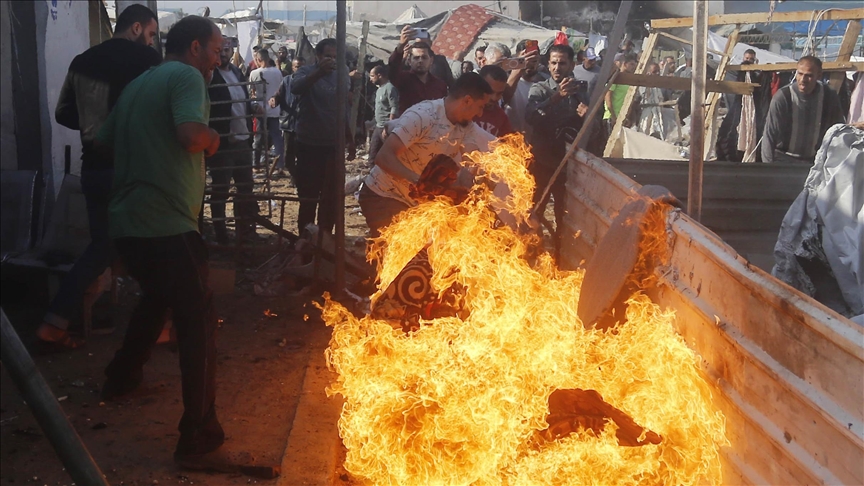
<point>93,84</point>
<point>234,158</point>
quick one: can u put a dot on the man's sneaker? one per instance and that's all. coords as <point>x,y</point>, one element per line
<point>220,460</point>
<point>113,390</point>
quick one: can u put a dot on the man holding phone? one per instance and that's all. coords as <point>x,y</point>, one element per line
<point>519,84</point>
<point>316,138</point>
<point>555,110</point>
<point>418,84</point>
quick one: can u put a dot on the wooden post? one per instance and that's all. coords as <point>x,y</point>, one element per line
<point>847,46</point>
<point>697,109</point>
<point>361,68</point>
<point>341,100</point>
<point>714,98</point>
<point>647,49</point>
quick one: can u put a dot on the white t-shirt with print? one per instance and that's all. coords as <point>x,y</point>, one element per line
<point>426,132</point>
<point>273,77</point>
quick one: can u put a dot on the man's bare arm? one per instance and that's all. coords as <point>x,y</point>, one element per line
<point>388,160</point>
<point>198,137</point>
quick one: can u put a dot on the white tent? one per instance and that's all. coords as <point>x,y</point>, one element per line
<point>167,20</point>
<point>410,15</point>
<point>718,42</point>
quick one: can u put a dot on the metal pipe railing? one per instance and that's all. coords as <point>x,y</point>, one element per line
<point>47,410</point>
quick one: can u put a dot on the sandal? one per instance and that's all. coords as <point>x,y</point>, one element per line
<point>66,343</point>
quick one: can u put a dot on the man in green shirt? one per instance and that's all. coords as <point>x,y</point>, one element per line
<point>617,92</point>
<point>159,134</point>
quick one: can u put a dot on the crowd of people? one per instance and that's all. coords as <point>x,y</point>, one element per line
<point>150,127</point>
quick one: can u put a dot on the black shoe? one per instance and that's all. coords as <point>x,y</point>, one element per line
<point>220,460</point>
<point>113,390</point>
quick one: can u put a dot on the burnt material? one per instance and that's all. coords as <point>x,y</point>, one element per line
<point>571,410</point>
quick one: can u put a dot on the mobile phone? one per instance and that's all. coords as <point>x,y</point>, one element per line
<point>532,45</point>
<point>421,34</point>
<point>513,63</point>
<point>582,86</point>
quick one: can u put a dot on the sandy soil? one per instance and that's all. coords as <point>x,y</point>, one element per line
<point>261,368</point>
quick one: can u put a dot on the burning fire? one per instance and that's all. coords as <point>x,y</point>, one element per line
<point>461,400</point>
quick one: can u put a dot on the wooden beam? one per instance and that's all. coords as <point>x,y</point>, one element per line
<point>689,43</point>
<point>713,98</point>
<point>761,18</point>
<point>647,50</point>
<point>683,84</point>
<point>697,109</point>
<point>847,46</point>
<point>792,66</point>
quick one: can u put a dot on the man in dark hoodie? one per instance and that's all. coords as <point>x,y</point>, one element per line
<point>93,84</point>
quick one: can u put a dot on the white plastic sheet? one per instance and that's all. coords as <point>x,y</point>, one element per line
<point>247,36</point>
<point>826,221</point>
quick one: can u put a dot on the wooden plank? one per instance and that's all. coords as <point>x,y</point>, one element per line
<point>361,68</point>
<point>683,84</point>
<point>689,43</point>
<point>761,18</point>
<point>647,49</point>
<point>697,109</point>
<point>785,370</point>
<point>792,66</point>
<point>847,46</point>
<point>713,98</point>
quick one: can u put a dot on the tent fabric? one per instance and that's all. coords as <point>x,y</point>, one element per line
<point>718,43</point>
<point>410,15</point>
<point>460,29</point>
<point>383,37</point>
<point>640,146</point>
<point>825,223</point>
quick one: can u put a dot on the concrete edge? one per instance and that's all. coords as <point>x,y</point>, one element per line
<point>313,445</point>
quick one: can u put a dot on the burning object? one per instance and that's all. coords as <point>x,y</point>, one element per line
<point>462,399</point>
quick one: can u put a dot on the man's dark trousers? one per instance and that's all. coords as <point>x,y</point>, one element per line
<point>290,152</point>
<point>316,178</point>
<point>542,175</point>
<point>96,187</point>
<point>172,272</point>
<point>375,144</point>
<point>233,160</point>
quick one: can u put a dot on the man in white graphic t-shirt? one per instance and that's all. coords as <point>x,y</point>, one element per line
<point>425,131</point>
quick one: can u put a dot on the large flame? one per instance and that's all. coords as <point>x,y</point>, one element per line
<point>460,401</point>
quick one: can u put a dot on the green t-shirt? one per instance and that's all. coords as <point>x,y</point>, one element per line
<point>619,91</point>
<point>158,185</point>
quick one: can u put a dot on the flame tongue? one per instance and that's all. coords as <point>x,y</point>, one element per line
<point>459,401</point>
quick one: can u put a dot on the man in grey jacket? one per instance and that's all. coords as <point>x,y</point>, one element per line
<point>556,107</point>
<point>799,116</point>
<point>316,138</point>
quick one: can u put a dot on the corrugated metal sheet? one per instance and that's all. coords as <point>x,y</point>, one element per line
<point>743,203</point>
<point>786,370</point>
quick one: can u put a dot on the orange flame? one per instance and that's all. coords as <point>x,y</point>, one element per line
<point>459,400</point>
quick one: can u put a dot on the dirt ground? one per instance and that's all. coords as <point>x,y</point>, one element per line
<point>262,361</point>
<point>261,367</point>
